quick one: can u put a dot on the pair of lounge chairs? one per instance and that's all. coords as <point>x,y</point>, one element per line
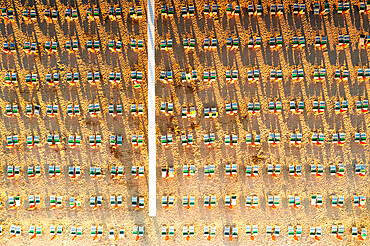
<point>295,170</point>
<point>341,74</point>
<point>12,141</point>
<point>318,107</point>
<point>232,75</point>
<point>343,8</point>
<point>209,232</point>
<point>93,46</point>
<point>360,236</point>
<point>231,108</point>
<point>95,172</point>
<point>316,232</point>
<point>209,170</point>
<point>210,43</point>
<point>167,232</point>
<point>189,43</point>
<point>337,169</point>
<point>115,13</point>
<point>321,41</point>
<point>274,138</point>
<point>53,140</point>
<point>74,172</point>
<point>74,203</point>
<point>343,41</point>
<point>116,46</point>
<point>136,78</point>
<point>273,231</point>
<point>298,41</point>
<point>136,171</point>
<point>321,9</point>
<point>138,232</point>
<point>273,201</point>
<point>231,169</point>
<point>33,141</point>
<point>252,171</point>
<point>299,8</point>
<point>96,232</point>
<point>166,76</point>
<point>295,232</point>
<point>209,76</point>
<point>72,45</point>
<point>52,79</point>
<point>360,137</point>
<point>33,171</point>
<point>121,234</point>
<point>55,201</point>
<point>7,14</point>
<point>276,9</point>
<point>254,107</point>
<point>34,201</point>
<point>136,13</point>
<point>230,201</point>
<point>255,9</point>
<point>115,201</point>
<point>231,140</point>
<point>188,232</point>
<point>136,45</point>
<point>14,202</point>
<point>232,43</point>
<point>31,79</point>
<point>54,171</point>
<point>318,138</point>
<point>55,231</point>
<point>11,79</point>
<point>166,140</point>
<point>168,201</point>
<point>276,42</point>
<point>9,47</point>
<point>296,138</point>
<point>168,172</point>
<point>187,11</point>
<point>273,169</point>
<point>275,107</point>
<point>51,14</point>
<point>317,169</point>
<point>188,112</point>
<point>115,141</point>
<point>30,47</point>
<point>316,200</point>
<point>116,171</point>
<point>360,169</point>
<point>298,74</point>
<point>74,140</point>
<point>73,110</point>
<point>11,110</point>
<point>166,44</point>
<point>96,202</point>
<point>15,231</point>
<point>362,106</point>
<point>276,75</point>
<point>76,231</point>
<point>116,109</point>
<point>251,201</point>
<point>51,46</point>
<point>92,13</point>
<point>253,139</point>
<point>94,109</point>
<point>188,170</point>
<point>136,109</point>
<point>167,11</point>
<point>359,201</point>
<point>71,14</point>
<point>254,42</point>
<point>339,138</point>
<point>251,231</point>
<point>232,10</point>
<point>210,10</point>
<point>231,232</point>
<point>294,201</point>
<point>188,201</point>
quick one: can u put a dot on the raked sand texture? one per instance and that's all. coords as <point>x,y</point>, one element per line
<point>63,94</point>
<point>204,94</point>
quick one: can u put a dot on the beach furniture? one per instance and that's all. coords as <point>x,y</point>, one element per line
<point>11,110</point>
<point>74,171</point>
<point>255,9</point>
<point>115,13</point>
<point>276,75</point>
<point>273,231</point>
<point>294,201</point>
<point>168,201</point>
<point>209,201</point>
<point>276,9</point>
<point>188,201</point>
<point>275,107</point>
<point>33,141</point>
<point>137,78</point>
<point>11,79</point>
<point>253,139</point>
<point>337,231</point>
<point>33,171</point>
<point>188,232</point>
<point>136,171</point>
<point>316,232</point>
<point>321,41</point>
<point>254,42</point>
<point>230,201</point>
<point>187,139</point>
<point>251,201</point>
<point>188,170</point>
<point>341,74</point>
<point>31,79</point>
<point>360,137</point>
<point>299,8</point>
<point>359,201</point>
<point>231,108</point>
<point>115,201</point>
<point>252,171</point>
<point>274,138</point>
<point>317,169</point>
<point>360,169</point>
<point>276,42</point>
<point>167,11</point>
<point>53,140</point>
<point>231,10</point>
<point>209,170</point>
<point>73,110</point>
<point>296,138</point>
<point>12,141</point>
<point>166,140</point>
<point>295,170</point>
<point>316,200</point>
<point>14,202</point>
<point>167,172</point>
<point>209,232</point>
<point>297,74</point>
<point>54,171</point>
<point>55,201</point>
<point>273,169</point>
<point>296,107</point>
<point>343,7</point>
<point>136,13</point>
<point>231,169</point>
<point>273,201</point>
<point>253,75</point>
<point>33,201</point>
